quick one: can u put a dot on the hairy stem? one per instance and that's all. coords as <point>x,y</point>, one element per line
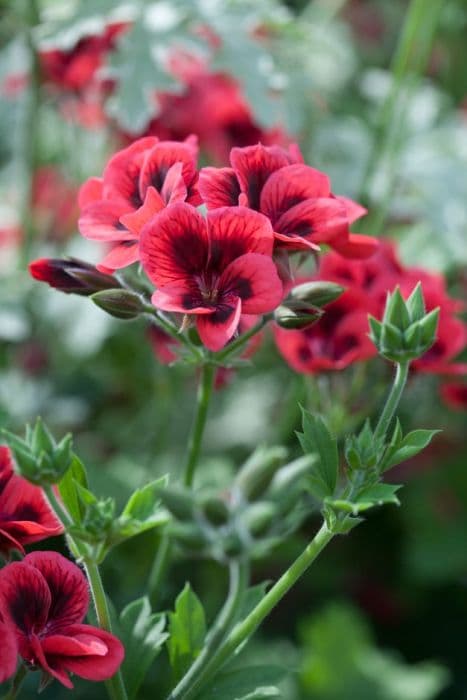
<point>245,629</point>
<point>238,581</point>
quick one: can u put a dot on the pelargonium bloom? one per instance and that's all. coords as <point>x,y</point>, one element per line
<point>215,268</point>
<point>43,601</point>
<point>25,516</point>
<point>8,652</point>
<point>138,181</point>
<point>295,197</point>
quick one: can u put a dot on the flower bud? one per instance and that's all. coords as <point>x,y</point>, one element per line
<point>406,331</point>
<point>121,303</point>
<point>317,293</point>
<point>257,472</point>
<point>214,509</point>
<point>179,502</point>
<point>259,517</point>
<point>71,276</point>
<point>291,319</point>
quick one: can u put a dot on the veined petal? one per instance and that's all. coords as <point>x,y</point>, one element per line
<point>135,220</point>
<point>217,328</point>
<point>356,246</point>
<point>90,191</point>
<point>235,231</point>
<point>68,588</point>
<point>95,666</point>
<point>290,186</point>
<point>158,161</point>
<point>80,645</point>
<point>254,279</point>
<point>8,652</point>
<point>122,255</point>
<point>181,297</point>
<point>122,173</point>
<point>174,188</point>
<point>253,165</point>
<point>219,187</point>
<point>25,598</point>
<point>319,220</point>
<point>174,245</point>
<point>354,209</point>
<point>100,221</point>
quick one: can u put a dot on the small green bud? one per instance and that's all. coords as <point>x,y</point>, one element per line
<point>121,303</point>
<point>187,535</point>
<point>416,304</point>
<point>396,312</point>
<point>317,293</point>
<point>257,472</point>
<point>179,502</point>
<point>291,319</point>
<point>258,517</point>
<point>215,509</point>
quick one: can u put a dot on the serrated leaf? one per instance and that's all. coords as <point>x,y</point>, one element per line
<point>248,683</point>
<point>76,474</point>
<point>316,439</point>
<point>187,628</point>
<point>413,443</point>
<point>376,495</point>
<point>143,636</point>
<point>143,502</point>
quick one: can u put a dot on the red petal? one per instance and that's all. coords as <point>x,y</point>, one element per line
<point>80,645</point>
<point>357,246</point>
<point>219,187</point>
<point>160,158</point>
<point>90,191</point>
<point>216,329</point>
<point>174,244</point>
<point>95,667</point>
<point>319,220</point>
<point>253,165</point>
<point>100,221</point>
<point>6,465</point>
<point>254,279</point>
<point>153,204</point>
<point>174,188</point>
<point>354,209</point>
<point>37,653</point>
<point>291,185</point>
<point>8,652</point>
<point>68,588</point>
<point>121,175</point>
<point>234,231</point>
<point>25,598</point>
<point>181,297</point>
<point>123,254</point>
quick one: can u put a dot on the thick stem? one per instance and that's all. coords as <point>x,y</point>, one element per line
<point>238,581</point>
<point>16,684</point>
<point>245,629</point>
<point>205,387</point>
<point>392,401</point>
<point>115,685</point>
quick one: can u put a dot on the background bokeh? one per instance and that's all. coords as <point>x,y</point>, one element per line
<point>383,614</point>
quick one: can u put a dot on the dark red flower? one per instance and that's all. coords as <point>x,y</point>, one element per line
<point>295,197</point>
<point>25,516</point>
<point>71,276</point>
<point>138,181</point>
<point>8,652</point>
<point>215,268</point>
<point>43,600</point>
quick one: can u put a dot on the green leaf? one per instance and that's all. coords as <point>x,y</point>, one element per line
<point>76,474</point>
<point>409,446</point>
<point>248,683</point>
<point>144,501</point>
<point>316,439</point>
<point>376,495</point>
<point>143,636</point>
<point>187,627</point>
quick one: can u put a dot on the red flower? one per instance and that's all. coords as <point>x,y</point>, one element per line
<point>25,516</point>
<point>454,394</point>
<point>138,182</point>
<point>215,268</point>
<point>43,600</point>
<point>339,339</point>
<point>8,652</point>
<point>71,276</point>
<point>295,197</point>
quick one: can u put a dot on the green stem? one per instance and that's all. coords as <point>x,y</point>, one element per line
<point>204,394</point>
<point>241,340</point>
<point>245,629</point>
<point>238,581</point>
<point>16,684</point>
<point>115,685</point>
<point>160,320</point>
<point>392,400</point>
<point>30,135</point>
<point>410,59</point>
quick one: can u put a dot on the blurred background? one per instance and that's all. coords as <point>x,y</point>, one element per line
<point>375,93</point>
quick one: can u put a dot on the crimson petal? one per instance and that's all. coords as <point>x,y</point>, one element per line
<point>319,220</point>
<point>181,297</point>
<point>25,598</point>
<point>8,652</point>
<point>357,246</point>
<point>93,667</point>
<point>217,328</point>
<point>100,221</point>
<point>135,220</point>
<point>253,165</point>
<point>121,175</point>
<point>123,254</point>
<point>290,186</point>
<point>90,191</point>
<point>235,231</point>
<point>219,187</point>
<point>158,161</point>
<point>254,279</point>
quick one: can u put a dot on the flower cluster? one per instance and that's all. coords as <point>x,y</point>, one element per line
<point>220,267</point>
<point>340,337</point>
<point>43,601</point>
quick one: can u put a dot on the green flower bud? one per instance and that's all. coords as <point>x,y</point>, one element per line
<point>179,502</point>
<point>121,303</point>
<point>317,293</point>
<point>259,517</point>
<point>214,509</point>
<point>257,472</point>
<point>291,319</point>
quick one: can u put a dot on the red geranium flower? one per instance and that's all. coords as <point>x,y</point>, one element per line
<point>8,652</point>
<point>215,268</point>
<point>43,600</point>
<point>138,181</point>
<point>25,516</point>
<point>295,197</point>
